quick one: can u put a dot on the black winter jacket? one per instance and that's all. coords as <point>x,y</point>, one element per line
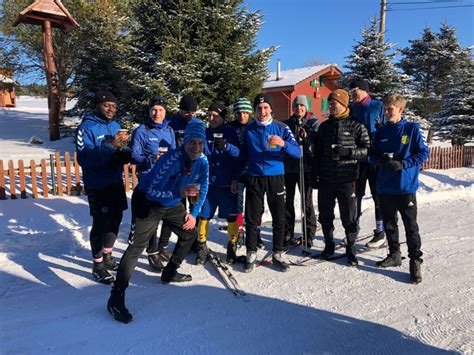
<point>348,133</point>
<point>310,123</point>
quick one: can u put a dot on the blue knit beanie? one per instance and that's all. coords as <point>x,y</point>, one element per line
<point>195,130</point>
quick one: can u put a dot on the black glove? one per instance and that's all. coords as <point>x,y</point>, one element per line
<point>394,165</point>
<point>343,152</point>
<point>220,144</point>
<point>121,156</point>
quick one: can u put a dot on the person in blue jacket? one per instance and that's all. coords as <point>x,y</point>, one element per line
<point>266,141</point>
<point>399,151</point>
<point>183,172</point>
<point>101,155</point>
<point>369,112</point>
<point>149,142</point>
<point>222,152</point>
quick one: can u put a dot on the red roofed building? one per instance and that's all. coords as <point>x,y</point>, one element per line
<point>315,82</point>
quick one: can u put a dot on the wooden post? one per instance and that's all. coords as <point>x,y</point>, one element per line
<point>77,175</point>
<point>67,163</point>
<point>44,178</point>
<point>11,176</point>
<point>59,177</point>
<point>2,182</point>
<point>34,184</point>
<point>52,80</point>
<point>21,173</point>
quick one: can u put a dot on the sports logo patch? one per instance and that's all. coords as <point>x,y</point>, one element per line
<point>404,139</point>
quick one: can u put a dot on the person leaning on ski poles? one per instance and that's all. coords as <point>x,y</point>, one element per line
<point>180,173</point>
<point>101,153</point>
<point>266,141</point>
<point>303,125</point>
<point>222,153</point>
<point>341,142</point>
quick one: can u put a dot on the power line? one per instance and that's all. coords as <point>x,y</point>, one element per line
<point>423,2</point>
<point>429,8</point>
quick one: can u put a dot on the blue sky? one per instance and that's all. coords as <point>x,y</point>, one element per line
<point>327,30</point>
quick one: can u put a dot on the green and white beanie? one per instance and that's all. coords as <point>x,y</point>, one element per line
<point>243,105</point>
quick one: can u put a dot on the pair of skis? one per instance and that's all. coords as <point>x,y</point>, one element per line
<point>227,277</point>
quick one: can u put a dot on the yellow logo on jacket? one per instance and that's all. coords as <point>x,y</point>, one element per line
<point>404,139</point>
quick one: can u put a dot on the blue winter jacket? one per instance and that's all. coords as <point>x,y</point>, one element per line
<point>222,162</point>
<point>404,139</point>
<point>179,124</point>
<point>168,177</point>
<point>146,140</point>
<point>369,114</point>
<point>94,151</point>
<point>261,159</point>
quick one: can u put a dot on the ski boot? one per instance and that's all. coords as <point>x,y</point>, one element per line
<point>116,306</point>
<point>392,260</point>
<point>250,262</point>
<point>377,241</point>
<point>155,262</point>
<point>202,254</point>
<point>101,274</point>
<point>231,257</point>
<point>109,262</point>
<point>170,274</point>
<point>277,260</point>
<point>415,271</point>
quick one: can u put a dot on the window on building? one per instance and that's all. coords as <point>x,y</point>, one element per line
<point>310,103</point>
<point>324,104</point>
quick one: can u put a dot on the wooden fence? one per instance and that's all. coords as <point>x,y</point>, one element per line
<point>62,175</point>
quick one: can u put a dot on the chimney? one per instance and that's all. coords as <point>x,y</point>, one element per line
<point>278,71</point>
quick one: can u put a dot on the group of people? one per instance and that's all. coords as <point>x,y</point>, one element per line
<point>187,172</point>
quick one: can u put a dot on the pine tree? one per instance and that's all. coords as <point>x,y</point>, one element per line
<point>203,47</point>
<point>455,121</point>
<point>372,61</point>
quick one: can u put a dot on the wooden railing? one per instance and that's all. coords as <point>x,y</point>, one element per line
<point>62,175</point>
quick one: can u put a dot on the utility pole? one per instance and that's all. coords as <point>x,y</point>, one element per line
<point>383,10</point>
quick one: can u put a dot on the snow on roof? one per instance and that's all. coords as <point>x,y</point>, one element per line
<point>293,76</point>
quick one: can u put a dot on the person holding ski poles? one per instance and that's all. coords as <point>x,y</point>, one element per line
<point>183,172</point>
<point>101,152</point>
<point>340,143</point>
<point>303,125</point>
<point>266,141</point>
<point>151,140</point>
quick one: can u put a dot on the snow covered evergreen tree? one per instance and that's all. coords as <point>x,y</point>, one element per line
<point>455,121</point>
<point>203,47</point>
<point>372,61</point>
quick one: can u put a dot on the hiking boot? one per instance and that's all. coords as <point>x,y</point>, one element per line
<point>231,255</point>
<point>116,306</point>
<point>277,260</point>
<point>415,270</point>
<point>251,261</point>
<point>170,274</point>
<point>391,260</point>
<point>101,274</point>
<point>202,254</point>
<point>164,254</point>
<point>155,262</point>
<point>109,262</point>
<point>377,241</point>
<point>328,250</point>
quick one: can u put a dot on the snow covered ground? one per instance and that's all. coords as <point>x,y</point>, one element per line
<point>49,304</point>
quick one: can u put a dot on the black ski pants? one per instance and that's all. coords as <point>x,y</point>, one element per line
<point>256,188</point>
<point>106,207</point>
<point>406,205</point>
<point>291,180</point>
<point>367,172</point>
<point>344,193</point>
<point>165,235</point>
<point>148,215</point>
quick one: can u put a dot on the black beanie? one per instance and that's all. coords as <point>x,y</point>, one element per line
<point>159,100</point>
<point>361,84</point>
<point>262,98</point>
<point>188,103</point>
<point>219,108</point>
<point>104,96</point>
